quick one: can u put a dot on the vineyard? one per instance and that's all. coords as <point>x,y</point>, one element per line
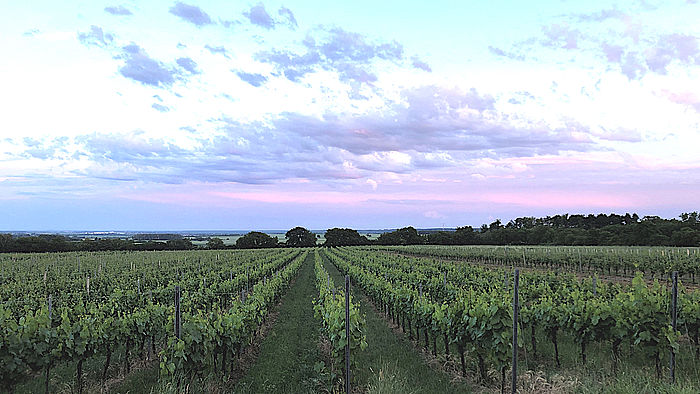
<point>432,318</point>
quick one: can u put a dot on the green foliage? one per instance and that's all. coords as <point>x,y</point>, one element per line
<point>129,303</point>
<point>256,240</point>
<point>204,335</point>
<point>403,236</point>
<point>215,243</point>
<point>472,306</point>
<point>330,309</point>
<point>300,237</point>
<point>344,237</point>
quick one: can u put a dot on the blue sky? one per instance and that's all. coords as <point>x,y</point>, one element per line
<point>167,115</point>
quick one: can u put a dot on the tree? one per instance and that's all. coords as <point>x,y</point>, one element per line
<point>300,237</point>
<point>440,238</point>
<point>179,244</point>
<point>691,217</point>
<point>465,235</point>
<point>344,237</point>
<point>256,240</point>
<point>403,236</point>
<point>215,243</point>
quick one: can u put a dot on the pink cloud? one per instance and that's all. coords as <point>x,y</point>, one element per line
<point>684,98</point>
<point>563,200</point>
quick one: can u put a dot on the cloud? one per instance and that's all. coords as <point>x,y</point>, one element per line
<point>257,15</point>
<point>217,49</point>
<point>188,64</point>
<point>632,67</point>
<point>613,53</point>
<point>134,147</point>
<point>684,98</point>
<point>673,47</point>
<point>253,79</point>
<point>95,36</point>
<point>620,37</point>
<point>658,53</point>
<point>560,36</point>
<point>287,14</point>
<point>160,108</point>
<point>292,65</point>
<point>347,53</point>
<point>191,13</point>
<point>432,119</point>
<point>45,148</point>
<point>345,45</point>
<point>619,134</point>
<point>434,215</point>
<point>142,68</point>
<point>118,10</point>
<point>430,128</point>
<point>501,52</point>
<point>600,16</point>
<point>421,65</point>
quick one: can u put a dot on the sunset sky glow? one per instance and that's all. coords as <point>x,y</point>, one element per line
<point>216,115</point>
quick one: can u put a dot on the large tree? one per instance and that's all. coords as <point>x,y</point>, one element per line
<point>344,237</point>
<point>402,236</point>
<point>299,237</point>
<point>256,240</point>
<point>215,243</point>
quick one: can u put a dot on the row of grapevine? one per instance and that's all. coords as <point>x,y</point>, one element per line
<point>469,306</point>
<point>654,262</point>
<point>221,333</point>
<point>330,309</point>
<point>130,308</point>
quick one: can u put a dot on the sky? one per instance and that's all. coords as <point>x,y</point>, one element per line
<point>216,115</point>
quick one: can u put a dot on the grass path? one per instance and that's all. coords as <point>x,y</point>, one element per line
<point>390,364</point>
<point>287,355</point>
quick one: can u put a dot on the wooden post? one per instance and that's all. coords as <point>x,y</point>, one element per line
<point>347,334</point>
<point>177,312</point>
<point>595,286</point>
<point>514,376</point>
<point>674,315</point>
<point>579,261</point>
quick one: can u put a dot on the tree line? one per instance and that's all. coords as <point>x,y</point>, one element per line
<point>601,229</point>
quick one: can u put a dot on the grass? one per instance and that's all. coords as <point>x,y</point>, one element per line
<point>290,351</point>
<point>636,372</point>
<point>139,381</point>
<point>390,364</point>
<point>390,379</point>
<point>62,378</point>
